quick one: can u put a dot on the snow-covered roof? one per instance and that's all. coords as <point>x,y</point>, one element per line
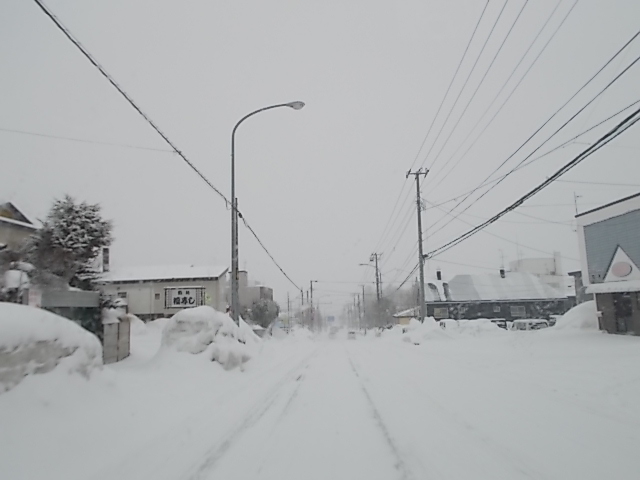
<point>515,286</point>
<point>615,287</point>
<point>163,272</point>
<point>18,223</point>
<point>409,312</point>
<point>9,213</point>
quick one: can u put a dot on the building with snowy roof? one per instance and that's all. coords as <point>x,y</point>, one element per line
<point>160,291</point>
<point>609,241</point>
<point>15,227</point>
<point>510,296</point>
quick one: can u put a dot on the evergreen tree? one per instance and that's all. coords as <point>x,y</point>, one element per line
<point>71,237</point>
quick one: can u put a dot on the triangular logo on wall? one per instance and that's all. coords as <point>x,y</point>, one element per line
<point>622,268</point>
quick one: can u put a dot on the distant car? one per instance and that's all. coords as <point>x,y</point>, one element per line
<point>529,324</point>
<point>351,335</point>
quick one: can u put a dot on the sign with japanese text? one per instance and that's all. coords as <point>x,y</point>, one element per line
<point>184,297</point>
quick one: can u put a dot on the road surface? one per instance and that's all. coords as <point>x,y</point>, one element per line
<point>511,405</point>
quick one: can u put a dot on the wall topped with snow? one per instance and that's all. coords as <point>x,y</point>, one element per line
<point>34,341</point>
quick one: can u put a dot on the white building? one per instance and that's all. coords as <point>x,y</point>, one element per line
<point>161,291</point>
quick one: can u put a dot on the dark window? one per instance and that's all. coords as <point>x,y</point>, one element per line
<point>157,296</point>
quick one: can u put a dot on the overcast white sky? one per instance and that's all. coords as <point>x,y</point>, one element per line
<point>318,185</point>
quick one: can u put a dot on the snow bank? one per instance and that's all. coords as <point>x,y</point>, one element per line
<point>417,332</point>
<point>138,327</point>
<point>480,327</point>
<point>580,317</point>
<point>34,341</point>
<point>204,330</point>
<point>158,324</point>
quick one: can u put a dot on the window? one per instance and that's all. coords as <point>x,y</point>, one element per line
<point>496,309</point>
<point>157,296</point>
<point>122,295</point>
<point>441,312</point>
<point>518,311</point>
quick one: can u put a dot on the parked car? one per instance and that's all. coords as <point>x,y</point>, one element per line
<point>351,335</point>
<point>529,324</point>
<point>500,322</point>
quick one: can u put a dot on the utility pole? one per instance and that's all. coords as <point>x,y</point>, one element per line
<point>374,258</point>
<point>311,304</point>
<point>359,313</point>
<point>289,312</point>
<point>364,320</point>
<point>417,175</point>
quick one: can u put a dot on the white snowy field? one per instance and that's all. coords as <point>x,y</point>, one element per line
<point>486,404</point>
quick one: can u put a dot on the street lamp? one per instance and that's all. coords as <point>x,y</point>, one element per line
<point>235,306</point>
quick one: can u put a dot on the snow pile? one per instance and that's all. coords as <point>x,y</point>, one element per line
<point>203,330</point>
<point>580,317</point>
<point>158,324</point>
<point>138,327</point>
<point>34,341</point>
<point>428,330</point>
<point>479,327</point>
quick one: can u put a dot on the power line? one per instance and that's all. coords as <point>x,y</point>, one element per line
<point>464,85</point>
<point>72,139</point>
<point>501,89</point>
<point>432,123</point>
<point>111,80</point>
<point>526,164</point>
<point>473,95</point>
<point>618,130</point>
<point>548,120</point>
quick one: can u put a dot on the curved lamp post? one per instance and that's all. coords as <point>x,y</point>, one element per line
<point>235,304</point>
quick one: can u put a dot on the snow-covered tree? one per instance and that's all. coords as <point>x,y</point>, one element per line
<point>71,237</point>
<point>264,312</point>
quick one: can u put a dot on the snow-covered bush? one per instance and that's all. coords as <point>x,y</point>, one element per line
<point>34,341</point>
<point>417,332</point>
<point>580,317</point>
<point>204,330</point>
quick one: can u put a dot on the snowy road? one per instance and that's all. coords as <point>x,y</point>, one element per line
<point>513,406</point>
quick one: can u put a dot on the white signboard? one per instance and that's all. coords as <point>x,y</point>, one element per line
<point>183,297</point>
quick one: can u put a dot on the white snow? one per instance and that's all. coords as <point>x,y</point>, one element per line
<point>467,402</point>
<point>34,341</point>
<point>580,317</point>
<point>204,330</point>
<point>487,286</point>
<point>615,287</point>
<point>163,272</point>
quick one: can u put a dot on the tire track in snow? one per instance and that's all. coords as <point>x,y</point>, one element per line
<point>173,437</point>
<point>519,462</point>
<point>262,406</point>
<point>399,464</point>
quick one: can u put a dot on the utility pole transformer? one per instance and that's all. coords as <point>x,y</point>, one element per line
<point>417,174</point>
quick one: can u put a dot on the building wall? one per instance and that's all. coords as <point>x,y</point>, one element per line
<point>602,240</point>
<point>14,235</point>
<point>147,299</point>
<point>606,303</point>
<point>497,309</point>
<point>248,295</point>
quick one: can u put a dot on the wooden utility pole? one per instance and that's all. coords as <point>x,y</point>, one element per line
<point>417,175</point>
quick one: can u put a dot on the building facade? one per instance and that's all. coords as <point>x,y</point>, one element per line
<point>609,241</point>
<point>154,292</point>
<point>15,227</point>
